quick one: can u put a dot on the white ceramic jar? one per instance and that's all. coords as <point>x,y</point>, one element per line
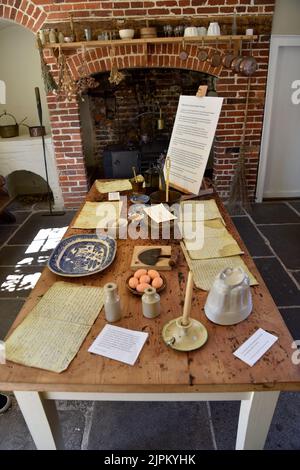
<point>151,303</point>
<point>112,305</point>
<point>213,29</point>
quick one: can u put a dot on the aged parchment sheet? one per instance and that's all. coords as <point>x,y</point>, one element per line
<point>98,214</point>
<point>52,333</point>
<point>206,270</point>
<point>112,186</point>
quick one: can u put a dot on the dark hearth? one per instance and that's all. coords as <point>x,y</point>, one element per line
<point>131,124</point>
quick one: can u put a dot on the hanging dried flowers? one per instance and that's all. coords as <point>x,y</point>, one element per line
<point>49,82</point>
<point>66,85</point>
<point>84,84</point>
<point>85,81</point>
<point>115,76</point>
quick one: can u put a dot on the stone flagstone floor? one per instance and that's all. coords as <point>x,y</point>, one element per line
<point>271,232</point>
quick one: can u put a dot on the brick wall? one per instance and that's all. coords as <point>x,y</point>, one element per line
<point>65,116</point>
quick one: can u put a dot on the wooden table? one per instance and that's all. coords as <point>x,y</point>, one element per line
<point>210,373</point>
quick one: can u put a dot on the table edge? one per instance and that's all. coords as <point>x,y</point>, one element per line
<point>155,388</point>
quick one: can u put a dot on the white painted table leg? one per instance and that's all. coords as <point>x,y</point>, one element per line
<point>42,420</point>
<point>254,421</point>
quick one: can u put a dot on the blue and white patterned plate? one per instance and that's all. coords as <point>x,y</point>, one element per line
<point>139,198</point>
<point>82,255</point>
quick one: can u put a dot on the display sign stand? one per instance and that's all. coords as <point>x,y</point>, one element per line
<point>191,141</point>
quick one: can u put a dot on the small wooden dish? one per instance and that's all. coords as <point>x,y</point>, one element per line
<point>135,292</point>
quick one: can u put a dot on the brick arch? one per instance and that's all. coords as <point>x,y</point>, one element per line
<point>24,13</point>
<point>132,56</point>
<point>65,116</point>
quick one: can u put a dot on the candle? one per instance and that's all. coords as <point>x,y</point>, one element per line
<point>188,300</point>
<point>168,164</point>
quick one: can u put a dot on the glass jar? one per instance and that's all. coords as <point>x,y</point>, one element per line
<point>152,178</point>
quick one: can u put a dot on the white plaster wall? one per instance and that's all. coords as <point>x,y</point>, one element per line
<point>286,18</point>
<point>20,69</point>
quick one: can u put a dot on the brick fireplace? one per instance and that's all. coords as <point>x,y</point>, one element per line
<point>65,116</point>
<point>135,118</point>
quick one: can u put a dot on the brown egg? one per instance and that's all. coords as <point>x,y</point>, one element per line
<point>133,282</point>
<point>145,279</point>
<point>157,282</point>
<point>153,273</point>
<point>142,287</point>
<point>139,273</point>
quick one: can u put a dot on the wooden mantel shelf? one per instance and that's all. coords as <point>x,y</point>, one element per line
<point>130,42</point>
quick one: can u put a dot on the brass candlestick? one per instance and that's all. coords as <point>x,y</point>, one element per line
<point>168,166</point>
<point>160,122</point>
<point>185,333</point>
<point>134,173</point>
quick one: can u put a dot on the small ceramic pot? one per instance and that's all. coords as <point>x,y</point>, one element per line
<point>202,31</point>
<point>126,33</point>
<point>191,31</point>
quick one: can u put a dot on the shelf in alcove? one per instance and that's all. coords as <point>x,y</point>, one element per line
<point>172,40</point>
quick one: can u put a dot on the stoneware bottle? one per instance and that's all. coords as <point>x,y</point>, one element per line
<point>151,303</point>
<point>61,37</point>
<point>52,36</point>
<point>42,36</point>
<point>112,306</point>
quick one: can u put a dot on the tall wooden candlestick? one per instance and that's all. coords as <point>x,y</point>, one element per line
<point>188,299</point>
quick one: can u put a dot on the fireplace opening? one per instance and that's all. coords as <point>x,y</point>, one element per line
<point>130,124</point>
<point>26,183</point>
